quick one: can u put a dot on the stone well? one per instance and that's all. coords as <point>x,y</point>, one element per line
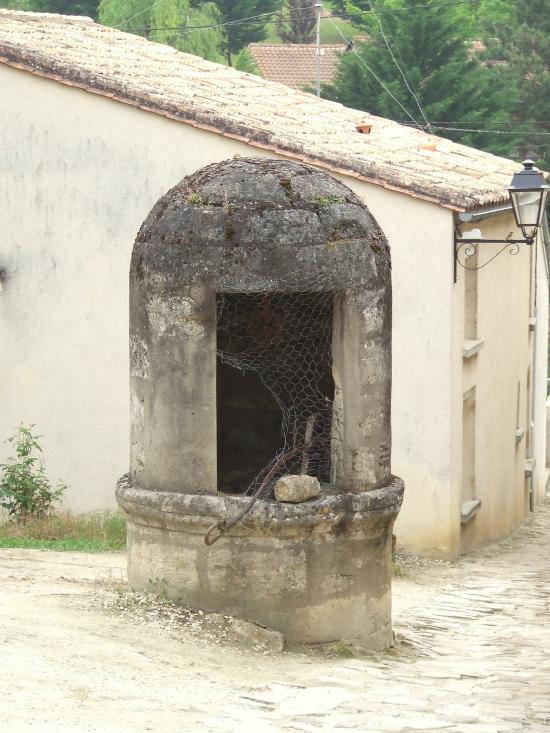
<point>260,346</point>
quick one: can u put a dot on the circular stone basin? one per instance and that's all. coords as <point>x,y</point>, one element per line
<point>318,571</point>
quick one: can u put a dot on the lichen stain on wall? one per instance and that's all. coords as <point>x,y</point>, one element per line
<point>137,419</point>
<point>372,423</point>
<point>139,359</point>
<point>376,365</point>
<point>174,316</point>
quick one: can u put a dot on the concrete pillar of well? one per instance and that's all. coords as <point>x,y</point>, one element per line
<point>173,387</point>
<point>361,353</point>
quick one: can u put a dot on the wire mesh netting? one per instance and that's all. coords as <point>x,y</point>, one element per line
<point>275,388</point>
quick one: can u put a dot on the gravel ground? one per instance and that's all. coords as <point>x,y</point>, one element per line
<point>81,654</point>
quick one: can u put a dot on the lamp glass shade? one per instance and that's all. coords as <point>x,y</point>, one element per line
<point>529,209</point>
<point>528,194</point>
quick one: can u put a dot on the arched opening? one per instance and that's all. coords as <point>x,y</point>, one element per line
<point>274,386</point>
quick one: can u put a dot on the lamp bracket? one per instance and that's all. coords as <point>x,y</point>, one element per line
<point>468,247</point>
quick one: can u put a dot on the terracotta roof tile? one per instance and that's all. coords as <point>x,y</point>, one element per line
<point>157,78</point>
<point>294,63</point>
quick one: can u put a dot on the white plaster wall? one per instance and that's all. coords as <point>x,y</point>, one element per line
<point>420,236</point>
<point>78,174</point>
<point>504,294</point>
<point>540,370</point>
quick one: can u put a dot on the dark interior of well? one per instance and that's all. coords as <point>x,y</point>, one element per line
<point>274,386</point>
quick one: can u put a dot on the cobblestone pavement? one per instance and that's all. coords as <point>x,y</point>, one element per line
<point>478,657</point>
<point>473,656</point>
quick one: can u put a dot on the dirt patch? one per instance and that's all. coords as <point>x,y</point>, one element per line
<point>86,655</point>
<point>79,657</point>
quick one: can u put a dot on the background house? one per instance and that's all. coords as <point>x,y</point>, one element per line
<point>98,124</point>
<point>295,63</point>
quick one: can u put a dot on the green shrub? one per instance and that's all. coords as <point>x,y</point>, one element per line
<point>25,491</point>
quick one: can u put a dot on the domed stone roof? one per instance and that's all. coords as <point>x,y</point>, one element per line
<point>253,223</point>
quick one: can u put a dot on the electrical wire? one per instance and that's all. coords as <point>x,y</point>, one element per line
<point>145,10</point>
<point>343,16</point>
<point>477,129</point>
<point>371,71</point>
<point>410,87</point>
<point>349,16</point>
<point>251,20</point>
<point>485,123</point>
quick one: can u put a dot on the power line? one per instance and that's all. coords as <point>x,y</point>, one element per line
<point>344,16</point>
<point>409,86</point>
<point>243,21</point>
<point>408,8</point>
<point>149,7</point>
<point>384,87</point>
<point>251,20</point>
<point>485,123</point>
<point>318,9</point>
<point>477,129</point>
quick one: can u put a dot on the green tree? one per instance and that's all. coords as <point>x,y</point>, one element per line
<point>63,7</point>
<point>199,39</point>
<point>238,35</point>
<point>300,22</point>
<point>244,61</point>
<point>523,57</point>
<point>174,22</point>
<point>140,16</point>
<point>441,75</point>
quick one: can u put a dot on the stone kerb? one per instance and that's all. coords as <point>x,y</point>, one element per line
<point>195,513</point>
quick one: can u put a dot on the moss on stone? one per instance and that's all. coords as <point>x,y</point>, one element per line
<point>328,200</point>
<point>229,231</point>
<point>286,183</point>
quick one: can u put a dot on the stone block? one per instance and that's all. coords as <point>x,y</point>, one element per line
<point>257,636</point>
<point>297,489</point>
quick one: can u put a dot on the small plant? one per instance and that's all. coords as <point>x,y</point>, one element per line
<point>343,650</point>
<point>397,570</point>
<point>158,586</point>
<point>25,491</point>
<point>197,199</point>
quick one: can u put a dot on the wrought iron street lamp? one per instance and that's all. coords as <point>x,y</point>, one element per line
<point>528,192</point>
